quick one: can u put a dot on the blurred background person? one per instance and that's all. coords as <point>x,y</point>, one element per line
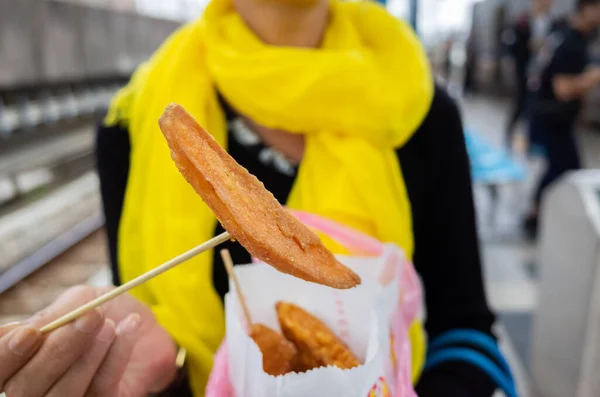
<point>469,83</point>
<point>447,61</point>
<point>524,39</point>
<point>562,79</point>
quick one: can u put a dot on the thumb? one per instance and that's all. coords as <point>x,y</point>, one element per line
<point>164,368</point>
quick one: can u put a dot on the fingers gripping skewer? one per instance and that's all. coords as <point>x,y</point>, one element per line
<point>221,238</point>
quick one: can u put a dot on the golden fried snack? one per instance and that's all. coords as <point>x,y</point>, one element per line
<point>278,353</point>
<point>246,209</point>
<point>317,345</point>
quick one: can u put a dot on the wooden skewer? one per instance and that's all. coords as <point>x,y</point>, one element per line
<point>221,238</point>
<point>226,256</point>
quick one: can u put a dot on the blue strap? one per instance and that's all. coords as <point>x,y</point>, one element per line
<point>477,359</point>
<point>475,338</point>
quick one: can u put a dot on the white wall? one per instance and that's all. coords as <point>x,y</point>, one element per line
<point>125,5</point>
<point>181,10</point>
<point>172,9</point>
<point>437,18</point>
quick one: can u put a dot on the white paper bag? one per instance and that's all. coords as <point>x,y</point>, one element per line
<point>362,317</point>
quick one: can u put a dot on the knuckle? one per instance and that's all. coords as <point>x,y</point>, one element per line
<point>16,388</point>
<point>164,363</point>
<point>103,290</point>
<point>80,291</point>
<point>76,293</point>
<point>99,387</point>
<point>95,317</point>
<point>56,349</point>
<point>101,384</point>
<point>41,316</point>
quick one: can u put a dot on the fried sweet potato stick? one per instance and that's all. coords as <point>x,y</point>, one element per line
<point>246,209</point>
<point>279,354</point>
<point>317,345</point>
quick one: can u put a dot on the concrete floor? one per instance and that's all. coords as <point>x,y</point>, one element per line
<point>74,267</point>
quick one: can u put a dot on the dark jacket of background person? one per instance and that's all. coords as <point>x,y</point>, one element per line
<point>565,53</point>
<point>519,48</point>
<point>519,39</point>
<point>553,120</point>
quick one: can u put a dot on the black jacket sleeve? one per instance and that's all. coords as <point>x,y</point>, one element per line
<point>436,169</point>
<point>112,161</point>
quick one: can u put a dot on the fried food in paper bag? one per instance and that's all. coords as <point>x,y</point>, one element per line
<point>278,353</point>
<point>246,209</point>
<point>317,345</point>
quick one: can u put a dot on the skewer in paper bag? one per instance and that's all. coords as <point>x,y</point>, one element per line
<point>278,354</point>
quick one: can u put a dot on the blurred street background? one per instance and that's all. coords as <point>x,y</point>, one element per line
<point>62,61</point>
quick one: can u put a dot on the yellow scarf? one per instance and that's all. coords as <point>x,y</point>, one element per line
<point>359,96</point>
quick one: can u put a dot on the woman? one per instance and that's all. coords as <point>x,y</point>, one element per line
<point>333,107</point>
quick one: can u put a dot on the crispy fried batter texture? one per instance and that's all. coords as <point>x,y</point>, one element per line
<point>246,209</point>
<point>278,353</point>
<point>317,345</point>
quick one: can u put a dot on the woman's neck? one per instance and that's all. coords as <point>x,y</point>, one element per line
<point>291,23</point>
